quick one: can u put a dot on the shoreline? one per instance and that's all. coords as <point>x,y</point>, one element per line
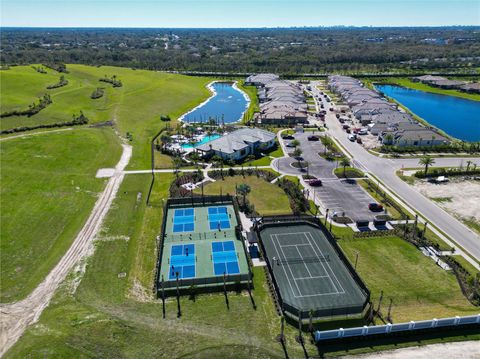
<point>213,94</point>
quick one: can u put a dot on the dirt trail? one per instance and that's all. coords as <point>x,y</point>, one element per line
<point>16,317</point>
<point>35,134</point>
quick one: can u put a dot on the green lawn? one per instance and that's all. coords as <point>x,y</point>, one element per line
<point>251,91</point>
<point>268,199</point>
<point>419,288</point>
<point>48,188</point>
<point>136,106</point>
<point>348,173</point>
<point>112,316</point>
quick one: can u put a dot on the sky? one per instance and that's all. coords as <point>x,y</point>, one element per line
<point>237,13</point>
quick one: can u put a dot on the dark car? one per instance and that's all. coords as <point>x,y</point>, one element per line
<point>313,138</point>
<point>359,140</point>
<point>288,137</point>
<point>348,130</point>
<point>315,182</point>
<point>345,126</point>
<point>375,207</point>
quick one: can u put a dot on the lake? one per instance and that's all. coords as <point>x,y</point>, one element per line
<point>458,117</point>
<point>227,104</point>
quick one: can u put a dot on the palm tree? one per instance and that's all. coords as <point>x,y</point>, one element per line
<point>426,161</point>
<point>344,162</point>
<point>469,163</point>
<point>165,139</point>
<point>244,189</point>
<point>326,142</point>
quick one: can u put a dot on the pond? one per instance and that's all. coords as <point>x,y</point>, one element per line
<point>458,117</point>
<point>226,105</point>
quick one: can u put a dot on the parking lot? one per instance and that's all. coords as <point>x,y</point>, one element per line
<point>346,196</point>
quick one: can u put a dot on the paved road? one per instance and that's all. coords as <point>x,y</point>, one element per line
<point>385,169</point>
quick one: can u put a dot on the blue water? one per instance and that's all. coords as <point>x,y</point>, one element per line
<point>228,104</point>
<point>458,117</point>
<point>204,140</point>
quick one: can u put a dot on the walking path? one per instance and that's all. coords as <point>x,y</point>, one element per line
<point>17,316</point>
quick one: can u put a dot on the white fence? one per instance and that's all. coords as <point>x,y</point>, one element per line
<point>395,328</point>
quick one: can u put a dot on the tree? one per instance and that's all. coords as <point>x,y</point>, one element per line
<point>297,153</point>
<point>344,162</point>
<point>165,139</point>
<point>469,163</point>
<point>177,162</point>
<point>426,161</point>
<point>295,143</point>
<point>326,142</point>
<point>243,190</point>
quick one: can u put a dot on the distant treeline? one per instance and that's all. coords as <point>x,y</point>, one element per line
<point>289,51</point>
<point>76,121</point>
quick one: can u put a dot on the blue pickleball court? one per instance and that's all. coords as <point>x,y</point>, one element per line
<point>224,258</point>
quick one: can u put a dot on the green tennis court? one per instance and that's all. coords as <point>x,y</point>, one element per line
<point>309,273</point>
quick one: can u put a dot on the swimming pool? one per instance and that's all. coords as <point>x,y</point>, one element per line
<point>204,140</point>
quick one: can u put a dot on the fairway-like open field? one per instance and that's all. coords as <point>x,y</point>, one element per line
<point>419,288</point>
<point>135,107</point>
<point>48,188</point>
<point>268,199</point>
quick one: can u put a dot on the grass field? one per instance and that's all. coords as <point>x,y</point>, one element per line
<point>419,288</point>
<point>268,199</point>
<point>251,91</point>
<point>136,106</point>
<point>350,172</point>
<point>48,188</point>
<point>109,316</point>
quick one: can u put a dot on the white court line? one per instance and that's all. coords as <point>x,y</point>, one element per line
<point>294,245</point>
<point>328,264</point>
<point>310,274</point>
<point>313,277</point>
<point>289,268</point>
<point>324,269</point>
<point>283,267</point>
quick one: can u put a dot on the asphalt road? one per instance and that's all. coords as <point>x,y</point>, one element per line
<point>385,169</point>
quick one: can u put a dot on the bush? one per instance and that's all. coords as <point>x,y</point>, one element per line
<point>97,93</point>
<point>33,109</point>
<point>165,118</point>
<point>76,121</point>
<point>62,82</point>
<point>112,80</point>
<point>435,172</point>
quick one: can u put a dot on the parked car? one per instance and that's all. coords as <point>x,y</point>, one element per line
<point>356,130</point>
<point>352,137</point>
<point>359,140</point>
<point>289,145</point>
<point>348,130</point>
<point>315,182</point>
<point>363,131</point>
<point>313,138</point>
<point>288,137</point>
<point>337,115</point>
<point>375,207</point>
<point>345,126</point>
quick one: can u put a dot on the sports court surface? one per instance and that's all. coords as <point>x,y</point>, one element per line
<point>200,246</point>
<point>309,272</point>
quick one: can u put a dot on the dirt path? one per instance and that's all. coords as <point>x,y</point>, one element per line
<point>16,317</point>
<point>35,134</point>
<point>470,349</point>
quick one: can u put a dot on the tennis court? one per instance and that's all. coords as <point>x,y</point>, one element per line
<point>309,273</point>
<point>218,218</point>
<point>184,220</point>
<point>224,258</point>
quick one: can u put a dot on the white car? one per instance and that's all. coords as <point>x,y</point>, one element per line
<point>363,131</point>
<point>352,137</point>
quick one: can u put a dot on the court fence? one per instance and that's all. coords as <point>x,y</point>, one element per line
<point>300,314</point>
<point>233,281</point>
<point>401,328</point>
